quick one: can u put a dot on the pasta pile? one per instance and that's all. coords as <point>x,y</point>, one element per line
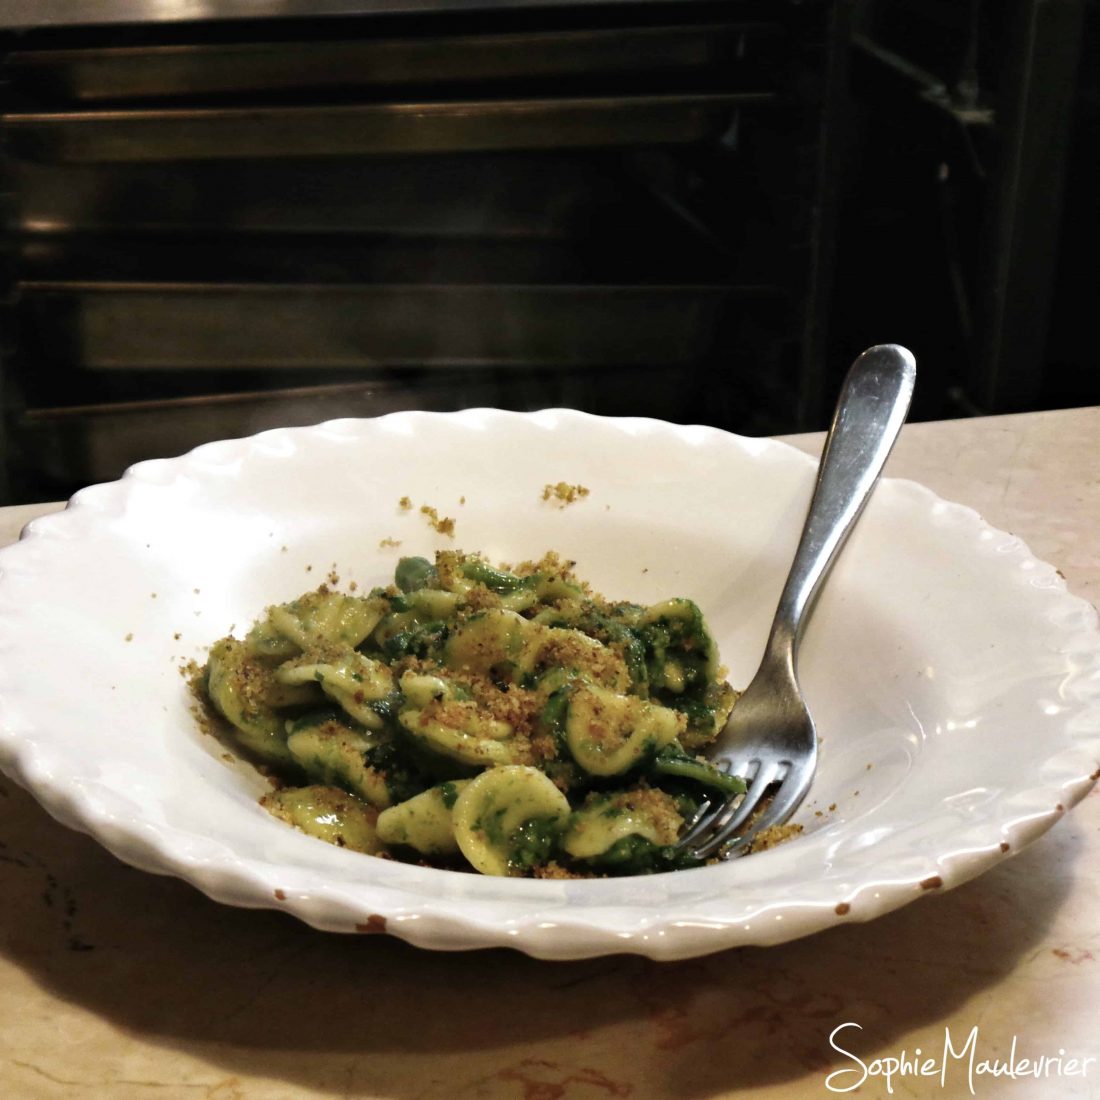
<point>512,722</point>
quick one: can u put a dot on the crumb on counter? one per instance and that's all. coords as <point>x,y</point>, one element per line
<point>563,493</point>
<point>405,504</point>
<point>130,636</point>
<point>387,542</point>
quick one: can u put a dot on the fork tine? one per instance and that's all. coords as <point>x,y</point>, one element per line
<point>702,823</point>
<point>724,823</point>
<point>705,809</point>
<point>791,792</point>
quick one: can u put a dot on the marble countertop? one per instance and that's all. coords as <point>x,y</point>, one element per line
<point>118,984</point>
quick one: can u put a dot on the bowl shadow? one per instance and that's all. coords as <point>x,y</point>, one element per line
<point>257,994</point>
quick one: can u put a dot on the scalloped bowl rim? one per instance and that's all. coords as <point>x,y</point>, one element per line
<point>547,919</point>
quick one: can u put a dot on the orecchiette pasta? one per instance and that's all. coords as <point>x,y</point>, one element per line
<point>425,821</point>
<point>508,721</point>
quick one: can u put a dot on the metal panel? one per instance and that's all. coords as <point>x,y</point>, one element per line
<point>73,13</point>
<point>524,195</point>
<point>234,68</point>
<point>217,327</point>
<point>70,446</point>
<point>372,129</point>
<point>1034,108</point>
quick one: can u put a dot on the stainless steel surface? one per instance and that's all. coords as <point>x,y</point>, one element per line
<point>160,326</point>
<point>371,128</point>
<point>770,737</point>
<point>522,196</point>
<point>274,302</point>
<point>237,68</point>
<point>586,207</point>
<point>109,437</point>
<point>70,13</point>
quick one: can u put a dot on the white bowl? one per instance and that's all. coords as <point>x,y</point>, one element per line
<point>953,679</point>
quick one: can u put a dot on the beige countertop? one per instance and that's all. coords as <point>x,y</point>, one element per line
<point>119,984</point>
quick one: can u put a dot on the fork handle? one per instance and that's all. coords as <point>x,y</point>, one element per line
<point>869,414</point>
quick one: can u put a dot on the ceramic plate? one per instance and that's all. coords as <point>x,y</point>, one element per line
<point>953,679</point>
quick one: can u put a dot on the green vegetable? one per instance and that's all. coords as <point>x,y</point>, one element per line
<point>635,855</point>
<point>414,573</point>
<point>482,716</point>
<point>496,580</point>
<point>672,760</point>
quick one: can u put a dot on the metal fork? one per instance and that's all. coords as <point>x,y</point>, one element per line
<point>770,738</point>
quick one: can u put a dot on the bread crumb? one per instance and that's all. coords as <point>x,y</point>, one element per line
<point>388,542</point>
<point>773,835</point>
<point>444,525</point>
<point>555,870</point>
<point>130,637</point>
<point>405,504</point>
<point>563,493</point>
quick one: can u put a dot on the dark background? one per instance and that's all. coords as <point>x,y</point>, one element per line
<point>751,193</point>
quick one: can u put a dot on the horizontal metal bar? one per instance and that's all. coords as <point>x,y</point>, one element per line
<point>97,443</point>
<point>609,254</point>
<point>531,195</point>
<point>25,14</point>
<point>206,69</point>
<point>164,327</point>
<point>212,400</point>
<point>369,129</point>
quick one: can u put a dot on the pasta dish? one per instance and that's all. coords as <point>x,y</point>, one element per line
<point>508,721</point>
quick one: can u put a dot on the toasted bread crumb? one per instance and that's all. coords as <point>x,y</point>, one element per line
<point>773,835</point>
<point>563,493</point>
<point>444,525</point>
